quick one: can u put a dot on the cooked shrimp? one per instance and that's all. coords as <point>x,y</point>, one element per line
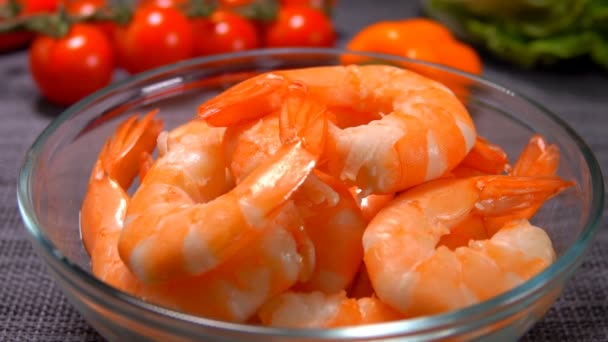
<point>320,310</point>
<point>272,263</point>
<point>421,130</point>
<point>335,225</point>
<point>409,272</point>
<point>114,170</point>
<point>537,159</point>
<point>169,234</point>
<point>331,217</point>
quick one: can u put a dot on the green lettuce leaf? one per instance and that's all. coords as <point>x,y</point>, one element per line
<point>530,32</point>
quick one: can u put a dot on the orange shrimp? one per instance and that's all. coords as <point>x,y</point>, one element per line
<point>273,261</point>
<point>113,171</point>
<point>335,225</point>
<point>485,158</point>
<point>410,273</point>
<point>320,310</point>
<point>537,159</point>
<point>169,234</point>
<point>331,217</point>
<point>421,130</point>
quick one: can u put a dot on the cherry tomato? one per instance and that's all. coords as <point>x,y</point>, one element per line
<point>300,26</point>
<point>37,6</point>
<point>68,68</point>
<point>88,7</point>
<point>224,32</point>
<point>18,39</point>
<point>154,37</point>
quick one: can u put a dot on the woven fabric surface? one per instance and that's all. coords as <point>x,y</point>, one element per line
<point>32,308</point>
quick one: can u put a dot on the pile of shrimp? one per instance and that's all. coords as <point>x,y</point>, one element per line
<point>317,198</point>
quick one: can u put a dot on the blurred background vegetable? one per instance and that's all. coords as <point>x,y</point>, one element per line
<point>529,33</point>
<point>416,38</point>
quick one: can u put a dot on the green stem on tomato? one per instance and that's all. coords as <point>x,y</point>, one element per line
<point>10,9</point>
<point>199,8</point>
<point>58,24</point>
<point>259,10</point>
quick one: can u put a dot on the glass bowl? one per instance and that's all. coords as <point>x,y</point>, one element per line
<point>54,176</point>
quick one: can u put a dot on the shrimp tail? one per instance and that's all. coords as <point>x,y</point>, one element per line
<point>303,118</point>
<point>500,195</point>
<point>262,93</point>
<point>121,155</point>
<point>145,163</point>
<point>486,157</point>
<point>537,159</point>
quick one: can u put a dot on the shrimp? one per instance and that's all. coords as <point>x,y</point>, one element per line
<point>484,158</point>
<point>320,310</point>
<point>273,262</point>
<point>114,170</point>
<point>331,217</point>
<point>234,290</point>
<point>419,131</point>
<point>537,159</point>
<point>410,273</point>
<point>335,225</point>
<point>169,234</point>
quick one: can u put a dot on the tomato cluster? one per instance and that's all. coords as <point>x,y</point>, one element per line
<point>160,32</point>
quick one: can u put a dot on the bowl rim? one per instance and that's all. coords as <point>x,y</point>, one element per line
<point>561,266</point>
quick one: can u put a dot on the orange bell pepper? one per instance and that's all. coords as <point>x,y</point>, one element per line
<point>420,39</point>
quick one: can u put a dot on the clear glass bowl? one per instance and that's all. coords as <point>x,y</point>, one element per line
<point>56,169</point>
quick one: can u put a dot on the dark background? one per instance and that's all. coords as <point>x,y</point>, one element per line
<point>33,309</point>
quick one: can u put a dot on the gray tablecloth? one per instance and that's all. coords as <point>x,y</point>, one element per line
<point>33,308</point>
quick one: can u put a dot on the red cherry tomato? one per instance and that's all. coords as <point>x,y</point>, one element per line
<point>71,67</point>
<point>300,26</point>
<point>88,7</point>
<point>37,6</point>
<point>154,37</point>
<point>18,39</point>
<point>224,32</point>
